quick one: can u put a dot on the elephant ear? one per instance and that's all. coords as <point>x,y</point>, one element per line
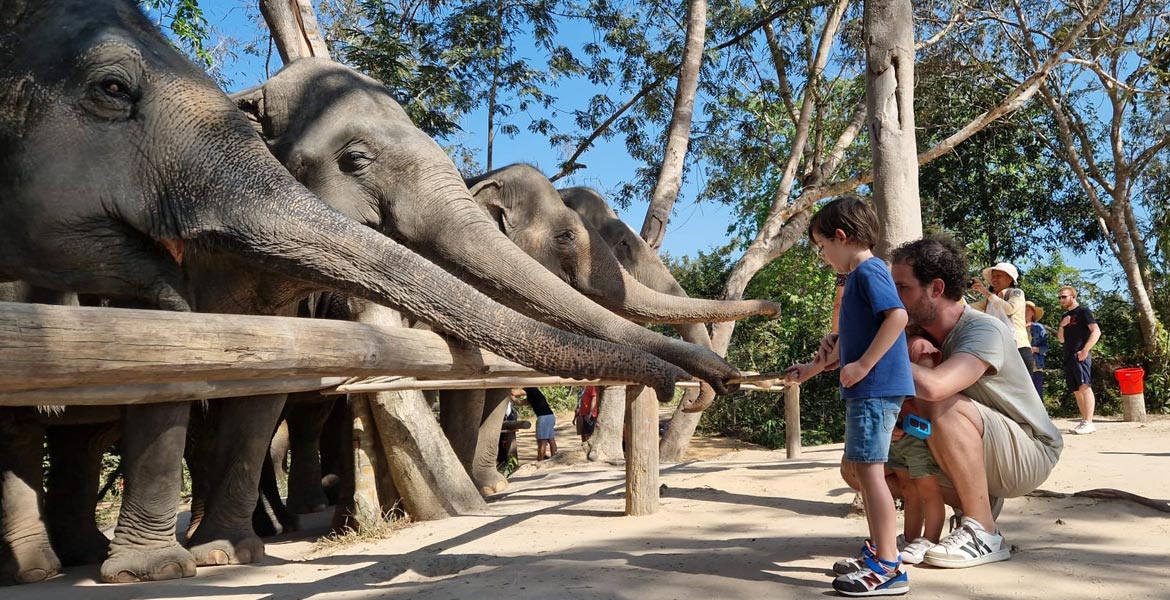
<point>251,103</point>
<point>489,193</point>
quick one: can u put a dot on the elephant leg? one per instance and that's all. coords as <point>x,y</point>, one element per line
<point>271,516</point>
<point>278,451</point>
<point>306,422</point>
<point>26,556</point>
<point>336,449</point>
<point>483,470</point>
<point>198,453</point>
<point>460,413</point>
<point>144,547</point>
<point>243,429</point>
<point>71,493</point>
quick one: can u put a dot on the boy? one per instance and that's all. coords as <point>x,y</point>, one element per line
<point>875,379</point>
<point>919,478</point>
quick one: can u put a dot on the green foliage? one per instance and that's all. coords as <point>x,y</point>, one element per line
<point>804,288</point>
<point>560,399</point>
<point>187,25</point>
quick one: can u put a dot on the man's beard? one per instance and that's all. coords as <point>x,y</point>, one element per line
<point>924,313</point>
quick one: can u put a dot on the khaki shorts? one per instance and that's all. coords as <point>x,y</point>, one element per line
<point>1016,464</point>
<point>911,454</point>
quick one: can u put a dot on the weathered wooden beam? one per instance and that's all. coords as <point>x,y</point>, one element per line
<point>390,384</point>
<point>45,346</point>
<point>792,420</point>
<point>152,393</point>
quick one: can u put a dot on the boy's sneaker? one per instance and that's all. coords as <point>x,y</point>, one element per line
<point>876,578</point>
<point>968,546</point>
<point>915,551</point>
<point>854,564</point>
<point>1084,428</point>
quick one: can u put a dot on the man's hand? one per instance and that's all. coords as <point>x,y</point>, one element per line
<point>1083,355</point>
<point>853,373</point>
<point>827,353</point>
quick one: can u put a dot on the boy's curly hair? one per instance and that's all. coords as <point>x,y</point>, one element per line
<point>935,257</point>
<point>850,214</point>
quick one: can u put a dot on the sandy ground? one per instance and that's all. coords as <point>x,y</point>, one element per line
<point>744,524</point>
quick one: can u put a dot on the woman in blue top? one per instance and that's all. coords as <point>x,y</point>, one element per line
<point>1039,337</point>
<point>875,379</point>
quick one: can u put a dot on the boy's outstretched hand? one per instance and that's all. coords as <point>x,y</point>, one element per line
<point>800,373</point>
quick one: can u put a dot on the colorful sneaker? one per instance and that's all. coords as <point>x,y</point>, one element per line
<point>915,551</point>
<point>854,564</point>
<point>968,546</point>
<point>876,578</point>
<point>1085,428</point>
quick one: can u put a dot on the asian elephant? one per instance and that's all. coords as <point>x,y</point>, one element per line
<point>126,173</point>
<point>344,136</point>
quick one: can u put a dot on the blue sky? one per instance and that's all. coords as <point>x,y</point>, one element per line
<point>693,226</point>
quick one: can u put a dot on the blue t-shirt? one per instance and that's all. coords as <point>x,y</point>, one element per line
<point>869,292</point>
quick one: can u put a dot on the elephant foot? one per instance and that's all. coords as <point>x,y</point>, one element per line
<point>87,547</point>
<point>147,564</point>
<point>227,549</point>
<point>489,481</point>
<point>29,565</point>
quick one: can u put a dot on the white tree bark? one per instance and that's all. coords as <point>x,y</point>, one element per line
<point>889,92</point>
<point>293,24</point>
<point>679,133</point>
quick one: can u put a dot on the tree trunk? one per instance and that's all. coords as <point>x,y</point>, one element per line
<point>679,133</point>
<point>293,24</point>
<point>682,425</point>
<point>889,90</point>
<point>427,473</point>
<point>606,441</point>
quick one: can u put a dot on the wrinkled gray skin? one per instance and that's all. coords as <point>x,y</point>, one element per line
<point>644,264</point>
<point>343,136</point>
<point>126,173</point>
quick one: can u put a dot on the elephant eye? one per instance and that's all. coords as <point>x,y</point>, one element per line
<point>565,237</point>
<point>352,161</point>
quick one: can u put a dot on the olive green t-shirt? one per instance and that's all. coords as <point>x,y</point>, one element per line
<point>1006,387</point>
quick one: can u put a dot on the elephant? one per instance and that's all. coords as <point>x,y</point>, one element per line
<point>644,264</point>
<point>344,136</point>
<point>162,195</point>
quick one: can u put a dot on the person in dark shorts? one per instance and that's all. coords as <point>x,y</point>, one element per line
<point>546,421</point>
<point>1079,332</point>
<point>586,416</point>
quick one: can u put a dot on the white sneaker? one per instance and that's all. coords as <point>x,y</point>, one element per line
<point>915,551</point>
<point>968,546</point>
<point>1085,428</point>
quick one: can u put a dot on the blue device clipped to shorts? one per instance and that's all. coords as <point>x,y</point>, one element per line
<point>916,426</point>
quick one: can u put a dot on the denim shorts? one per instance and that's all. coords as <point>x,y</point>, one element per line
<point>869,424</point>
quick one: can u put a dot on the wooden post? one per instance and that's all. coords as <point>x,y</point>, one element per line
<point>792,419</point>
<point>367,453</point>
<point>641,451</point>
<point>1133,407</point>
<point>294,29</point>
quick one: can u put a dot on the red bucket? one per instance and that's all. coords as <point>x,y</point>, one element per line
<point>1130,380</point>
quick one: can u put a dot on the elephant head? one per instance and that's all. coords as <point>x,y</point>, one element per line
<point>121,160</point>
<point>529,210</point>
<point>643,263</point>
<point>343,136</point>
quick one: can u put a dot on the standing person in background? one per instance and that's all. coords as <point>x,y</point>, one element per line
<point>586,416</point>
<point>1078,332</point>
<point>1005,301</point>
<point>546,421</point>
<point>1032,316</point>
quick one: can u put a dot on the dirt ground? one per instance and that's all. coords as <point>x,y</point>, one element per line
<point>737,523</point>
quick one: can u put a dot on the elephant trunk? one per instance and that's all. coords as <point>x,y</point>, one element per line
<point>471,244</point>
<point>283,228</point>
<point>622,293</point>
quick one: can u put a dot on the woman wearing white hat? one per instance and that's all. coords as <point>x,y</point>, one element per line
<point>1006,301</point>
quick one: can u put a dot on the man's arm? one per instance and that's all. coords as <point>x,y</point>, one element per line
<point>952,376</point>
<point>893,325</point>
<point>1094,335</point>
